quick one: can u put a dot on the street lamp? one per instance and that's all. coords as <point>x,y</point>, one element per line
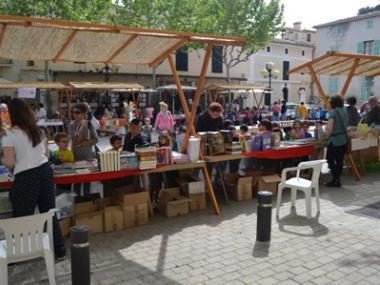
<point>270,72</point>
<point>106,69</point>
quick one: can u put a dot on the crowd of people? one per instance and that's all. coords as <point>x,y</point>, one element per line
<point>26,152</point>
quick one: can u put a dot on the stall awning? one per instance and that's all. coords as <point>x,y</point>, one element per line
<point>174,87</point>
<point>105,85</point>
<point>245,87</point>
<point>37,85</point>
<point>340,64</point>
<point>25,38</point>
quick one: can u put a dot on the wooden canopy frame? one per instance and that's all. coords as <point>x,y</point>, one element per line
<point>24,38</point>
<point>216,88</point>
<point>340,64</point>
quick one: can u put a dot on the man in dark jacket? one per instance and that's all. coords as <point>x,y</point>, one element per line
<point>134,137</point>
<point>373,116</point>
<point>210,120</point>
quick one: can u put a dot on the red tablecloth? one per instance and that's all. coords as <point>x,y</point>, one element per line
<point>287,153</point>
<point>88,177</point>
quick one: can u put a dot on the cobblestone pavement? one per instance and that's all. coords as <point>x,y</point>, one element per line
<point>335,248</point>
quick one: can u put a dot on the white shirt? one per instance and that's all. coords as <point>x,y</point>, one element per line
<point>26,156</point>
<point>41,114</point>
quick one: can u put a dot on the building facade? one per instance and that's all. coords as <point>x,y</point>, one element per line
<point>359,34</point>
<point>296,47</point>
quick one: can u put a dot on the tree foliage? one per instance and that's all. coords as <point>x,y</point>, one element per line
<point>73,10</point>
<point>258,21</point>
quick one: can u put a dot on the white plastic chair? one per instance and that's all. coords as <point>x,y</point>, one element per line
<point>27,238</point>
<point>302,184</point>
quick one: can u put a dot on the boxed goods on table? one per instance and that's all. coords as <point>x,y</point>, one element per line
<point>134,204</point>
<point>257,143</point>
<point>172,203</point>
<point>234,148</point>
<point>267,183</point>
<point>267,140</point>
<point>109,161</point>
<point>147,157</point>
<point>128,160</point>
<point>203,136</point>
<point>164,155</point>
<point>215,143</point>
<point>194,189</point>
<point>238,188</point>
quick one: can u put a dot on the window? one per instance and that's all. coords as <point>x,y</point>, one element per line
<point>285,69</point>
<point>217,59</point>
<point>369,24</point>
<point>303,53</point>
<point>308,37</point>
<point>268,48</point>
<point>182,60</point>
<point>286,51</point>
<point>368,47</point>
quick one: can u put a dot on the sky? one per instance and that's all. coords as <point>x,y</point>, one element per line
<point>315,12</point>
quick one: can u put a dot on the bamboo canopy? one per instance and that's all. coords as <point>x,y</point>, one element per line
<point>37,85</point>
<point>24,38</point>
<point>105,85</point>
<point>340,64</point>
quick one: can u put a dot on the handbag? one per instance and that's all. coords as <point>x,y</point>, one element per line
<point>348,139</point>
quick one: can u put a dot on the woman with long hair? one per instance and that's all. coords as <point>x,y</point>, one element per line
<point>25,154</point>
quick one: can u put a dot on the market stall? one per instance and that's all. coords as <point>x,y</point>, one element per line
<point>24,38</point>
<point>340,64</point>
<point>215,90</point>
<point>58,87</point>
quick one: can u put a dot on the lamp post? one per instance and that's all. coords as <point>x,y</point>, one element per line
<point>107,69</point>
<point>269,72</point>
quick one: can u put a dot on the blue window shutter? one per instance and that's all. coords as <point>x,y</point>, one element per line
<point>376,47</point>
<point>363,89</point>
<point>360,47</point>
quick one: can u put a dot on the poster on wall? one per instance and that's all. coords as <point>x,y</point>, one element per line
<point>27,93</point>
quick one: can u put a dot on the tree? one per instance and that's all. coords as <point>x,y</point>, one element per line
<point>71,10</point>
<point>254,20</point>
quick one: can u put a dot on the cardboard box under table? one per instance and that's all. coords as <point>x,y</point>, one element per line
<point>194,189</point>
<point>239,188</point>
<point>133,201</point>
<point>94,220</point>
<point>172,203</point>
<point>267,183</point>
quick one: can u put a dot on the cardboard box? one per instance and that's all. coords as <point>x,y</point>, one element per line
<point>87,198</point>
<point>93,220</point>
<point>84,207</point>
<point>130,195</point>
<point>172,203</point>
<point>135,215</point>
<point>65,225</point>
<point>103,203</point>
<point>142,215</point>
<point>197,201</point>
<point>113,219</point>
<point>191,185</point>
<point>239,188</point>
<point>267,183</point>
<point>255,174</point>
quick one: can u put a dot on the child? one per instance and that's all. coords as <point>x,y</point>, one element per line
<point>305,127</point>
<point>297,132</point>
<point>265,125</point>
<point>180,137</point>
<point>63,154</point>
<point>116,143</point>
<point>288,133</point>
<point>147,129</point>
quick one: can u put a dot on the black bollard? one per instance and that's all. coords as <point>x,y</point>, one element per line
<point>264,216</point>
<point>80,256</point>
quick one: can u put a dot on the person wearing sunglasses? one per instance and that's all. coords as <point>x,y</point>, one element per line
<point>83,139</point>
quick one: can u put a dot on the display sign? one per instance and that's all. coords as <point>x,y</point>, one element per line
<point>27,93</point>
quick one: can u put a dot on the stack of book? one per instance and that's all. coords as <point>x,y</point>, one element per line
<point>109,161</point>
<point>128,160</point>
<point>147,157</point>
<point>234,148</point>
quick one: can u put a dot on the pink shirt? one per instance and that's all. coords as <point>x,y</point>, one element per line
<point>276,108</point>
<point>164,122</point>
